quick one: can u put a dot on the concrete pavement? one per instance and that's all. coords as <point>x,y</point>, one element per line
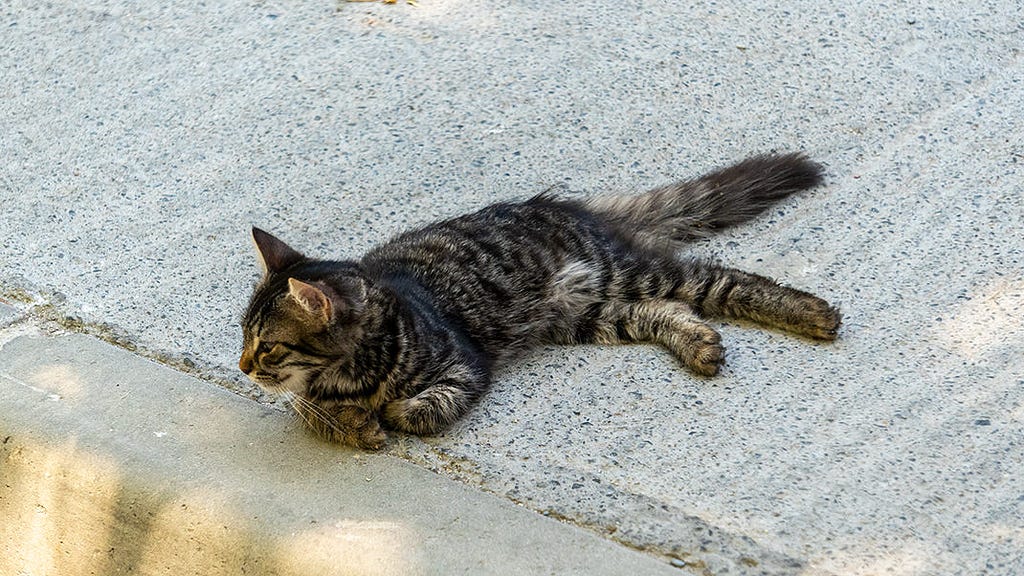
<point>142,139</point>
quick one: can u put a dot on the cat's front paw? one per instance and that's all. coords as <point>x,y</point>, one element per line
<point>348,425</point>
<point>368,439</point>
<point>360,428</point>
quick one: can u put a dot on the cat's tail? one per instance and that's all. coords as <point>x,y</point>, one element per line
<point>693,209</point>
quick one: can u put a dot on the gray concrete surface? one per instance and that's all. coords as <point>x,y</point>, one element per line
<point>141,141</point>
<point>116,465</point>
<point>8,314</point>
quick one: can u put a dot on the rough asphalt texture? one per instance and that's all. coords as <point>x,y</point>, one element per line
<point>141,140</point>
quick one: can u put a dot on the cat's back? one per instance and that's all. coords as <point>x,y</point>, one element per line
<point>493,270</point>
<point>527,238</point>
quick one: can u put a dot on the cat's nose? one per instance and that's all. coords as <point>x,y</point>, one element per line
<point>245,362</point>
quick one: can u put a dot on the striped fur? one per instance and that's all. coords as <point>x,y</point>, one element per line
<point>407,337</point>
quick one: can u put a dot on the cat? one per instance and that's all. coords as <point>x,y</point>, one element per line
<point>407,337</point>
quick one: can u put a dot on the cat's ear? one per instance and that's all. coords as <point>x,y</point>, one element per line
<point>311,298</point>
<point>274,254</point>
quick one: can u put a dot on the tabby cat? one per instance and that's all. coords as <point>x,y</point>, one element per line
<point>407,337</point>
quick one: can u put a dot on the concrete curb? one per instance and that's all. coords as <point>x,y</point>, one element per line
<point>113,464</point>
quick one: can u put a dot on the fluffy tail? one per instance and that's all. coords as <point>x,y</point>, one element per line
<point>693,209</point>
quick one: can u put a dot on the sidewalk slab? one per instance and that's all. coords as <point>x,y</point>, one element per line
<point>8,314</point>
<point>111,464</point>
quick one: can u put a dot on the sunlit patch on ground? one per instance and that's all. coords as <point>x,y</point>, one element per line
<point>992,317</point>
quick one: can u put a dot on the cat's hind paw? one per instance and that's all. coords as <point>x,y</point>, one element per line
<point>822,320</point>
<point>702,351</point>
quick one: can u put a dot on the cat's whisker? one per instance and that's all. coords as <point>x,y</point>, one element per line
<point>317,413</point>
<point>295,402</point>
<point>291,398</point>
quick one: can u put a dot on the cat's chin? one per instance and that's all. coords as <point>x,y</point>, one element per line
<point>273,388</point>
<point>268,383</point>
<point>287,387</point>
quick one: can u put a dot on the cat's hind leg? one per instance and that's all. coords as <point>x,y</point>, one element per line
<point>727,292</point>
<point>671,323</point>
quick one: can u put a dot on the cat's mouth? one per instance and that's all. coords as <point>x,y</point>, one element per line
<point>266,381</point>
<point>275,385</point>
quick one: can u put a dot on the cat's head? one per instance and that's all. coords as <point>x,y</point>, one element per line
<point>302,319</point>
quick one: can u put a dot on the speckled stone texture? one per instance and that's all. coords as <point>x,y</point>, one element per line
<point>142,140</point>
<point>8,314</point>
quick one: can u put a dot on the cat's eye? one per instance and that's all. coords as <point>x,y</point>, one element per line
<point>265,347</point>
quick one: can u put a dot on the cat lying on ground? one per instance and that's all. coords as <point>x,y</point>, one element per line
<point>407,337</point>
